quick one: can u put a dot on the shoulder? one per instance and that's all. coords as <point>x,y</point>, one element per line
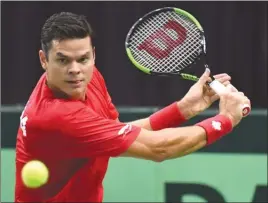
<point>63,108</point>
<point>97,73</point>
<point>97,77</point>
<point>51,115</point>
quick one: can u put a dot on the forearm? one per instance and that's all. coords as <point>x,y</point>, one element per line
<point>171,143</point>
<point>181,141</point>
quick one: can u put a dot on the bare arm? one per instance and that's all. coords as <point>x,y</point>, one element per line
<point>145,122</point>
<point>171,143</point>
<point>142,123</point>
<point>198,98</point>
<point>167,143</point>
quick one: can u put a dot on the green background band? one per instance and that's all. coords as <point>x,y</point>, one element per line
<point>231,169</point>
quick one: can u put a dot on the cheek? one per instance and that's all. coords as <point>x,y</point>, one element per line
<point>89,73</point>
<point>54,73</point>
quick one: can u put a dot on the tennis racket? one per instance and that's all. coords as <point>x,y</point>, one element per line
<point>167,41</point>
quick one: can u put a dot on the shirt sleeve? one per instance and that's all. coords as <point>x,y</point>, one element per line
<point>111,108</point>
<point>83,133</point>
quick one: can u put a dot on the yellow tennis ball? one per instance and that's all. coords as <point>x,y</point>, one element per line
<point>34,174</point>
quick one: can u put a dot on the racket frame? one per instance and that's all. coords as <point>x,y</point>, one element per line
<point>215,85</point>
<point>202,52</point>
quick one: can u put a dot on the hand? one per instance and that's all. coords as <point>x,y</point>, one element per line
<point>201,96</point>
<point>231,105</point>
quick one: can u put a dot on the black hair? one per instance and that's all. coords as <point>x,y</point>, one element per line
<point>64,25</point>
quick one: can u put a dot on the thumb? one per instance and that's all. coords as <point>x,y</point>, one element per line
<point>205,77</point>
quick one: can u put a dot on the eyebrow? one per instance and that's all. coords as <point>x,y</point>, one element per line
<point>64,56</point>
<point>61,55</point>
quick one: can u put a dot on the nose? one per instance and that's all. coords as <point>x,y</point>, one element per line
<point>74,69</point>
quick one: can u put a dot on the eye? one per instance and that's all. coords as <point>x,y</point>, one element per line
<point>62,60</point>
<point>83,60</point>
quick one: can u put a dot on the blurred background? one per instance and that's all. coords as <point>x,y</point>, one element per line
<point>233,169</point>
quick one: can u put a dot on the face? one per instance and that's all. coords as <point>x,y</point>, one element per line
<point>69,66</point>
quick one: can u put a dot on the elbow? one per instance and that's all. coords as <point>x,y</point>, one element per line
<point>160,150</point>
<point>158,158</point>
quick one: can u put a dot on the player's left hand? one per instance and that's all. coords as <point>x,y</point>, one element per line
<point>201,96</point>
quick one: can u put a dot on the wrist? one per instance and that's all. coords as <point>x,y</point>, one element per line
<point>185,110</point>
<point>216,127</point>
<point>167,117</point>
<point>229,117</point>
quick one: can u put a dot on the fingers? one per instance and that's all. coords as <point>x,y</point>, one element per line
<point>246,106</point>
<point>238,95</point>
<point>209,79</point>
<point>245,98</point>
<point>241,96</point>
<point>223,78</point>
<point>231,87</point>
<point>205,77</point>
<point>214,98</point>
<point>226,83</point>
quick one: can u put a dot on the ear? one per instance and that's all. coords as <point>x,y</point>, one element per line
<point>94,55</point>
<point>43,59</point>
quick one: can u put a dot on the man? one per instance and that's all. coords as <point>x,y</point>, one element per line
<point>71,124</point>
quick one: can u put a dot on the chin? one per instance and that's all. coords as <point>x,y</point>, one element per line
<point>77,94</point>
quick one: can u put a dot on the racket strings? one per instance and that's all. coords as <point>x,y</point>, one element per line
<point>188,49</point>
<point>181,60</point>
<point>156,62</point>
<point>180,57</point>
<point>175,63</point>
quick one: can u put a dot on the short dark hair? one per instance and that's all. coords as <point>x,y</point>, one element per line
<point>64,25</point>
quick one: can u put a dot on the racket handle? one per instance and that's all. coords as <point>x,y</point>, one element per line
<point>219,88</point>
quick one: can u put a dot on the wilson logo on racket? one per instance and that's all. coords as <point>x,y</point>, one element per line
<point>160,44</point>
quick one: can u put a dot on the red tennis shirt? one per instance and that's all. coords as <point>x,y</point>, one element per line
<point>75,139</point>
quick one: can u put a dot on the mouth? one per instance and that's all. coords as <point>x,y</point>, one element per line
<point>74,82</point>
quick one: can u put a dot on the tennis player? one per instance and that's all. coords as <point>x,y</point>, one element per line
<point>71,124</point>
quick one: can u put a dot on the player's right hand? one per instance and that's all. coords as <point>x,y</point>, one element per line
<point>231,105</point>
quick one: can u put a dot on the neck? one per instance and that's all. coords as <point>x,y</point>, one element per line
<point>62,95</point>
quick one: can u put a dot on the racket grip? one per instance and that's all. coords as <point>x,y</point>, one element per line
<point>245,108</point>
<point>219,88</point>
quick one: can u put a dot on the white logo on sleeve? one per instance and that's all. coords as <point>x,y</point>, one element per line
<point>216,125</point>
<point>125,130</point>
<point>23,122</point>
